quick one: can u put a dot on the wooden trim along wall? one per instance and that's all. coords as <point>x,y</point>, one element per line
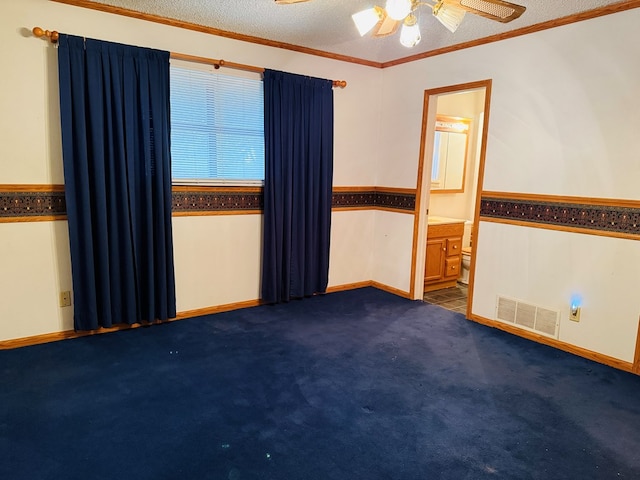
<point>579,17</point>
<point>582,352</point>
<point>420,221</point>
<point>594,216</point>
<point>369,283</point>
<point>566,347</point>
<point>28,203</point>
<point>617,218</point>
<point>538,27</point>
<point>69,334</point>
<point>216,31</point>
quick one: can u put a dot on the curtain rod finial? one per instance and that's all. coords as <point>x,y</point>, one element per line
<point>52,36</point>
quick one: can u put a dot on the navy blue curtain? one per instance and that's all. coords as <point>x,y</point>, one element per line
<point>297,185</point>
<point>114,108</point>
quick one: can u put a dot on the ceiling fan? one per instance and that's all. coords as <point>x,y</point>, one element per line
<point>385,21</point>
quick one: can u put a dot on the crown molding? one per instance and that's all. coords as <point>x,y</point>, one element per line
<point>216,31</point>
<point>579,17</point>
<point>538,27</point>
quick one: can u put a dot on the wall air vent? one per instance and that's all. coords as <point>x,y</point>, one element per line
<point>528,317</point>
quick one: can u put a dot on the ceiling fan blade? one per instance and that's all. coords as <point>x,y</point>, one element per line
<point>375,20</point>
<point>497,10</point>
<point>285,2</point>
<point>386,25</point>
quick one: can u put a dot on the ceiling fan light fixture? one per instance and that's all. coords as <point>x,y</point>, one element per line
<point>398,9</point>
<point>365,20</point>
<point>410,33</point>
<point>448,15</point>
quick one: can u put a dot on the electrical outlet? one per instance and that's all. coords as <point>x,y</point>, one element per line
<point>574,314</point>
<point>65,299</point>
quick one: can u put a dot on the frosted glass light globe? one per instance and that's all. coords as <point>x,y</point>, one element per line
<point>398,9</point>
<point>410,35</point>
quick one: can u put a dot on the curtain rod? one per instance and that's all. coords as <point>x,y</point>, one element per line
<point>239,66</point>
<point>54,36</point>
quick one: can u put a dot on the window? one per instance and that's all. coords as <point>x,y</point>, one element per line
<point>217,126</point>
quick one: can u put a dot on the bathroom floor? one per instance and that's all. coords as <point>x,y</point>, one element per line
<point>454,298</point>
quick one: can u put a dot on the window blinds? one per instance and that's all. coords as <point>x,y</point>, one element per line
<point>217,126</point>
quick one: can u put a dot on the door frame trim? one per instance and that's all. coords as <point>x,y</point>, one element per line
<point>423,186</point>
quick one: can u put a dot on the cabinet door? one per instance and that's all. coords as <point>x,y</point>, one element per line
<point>434,269</point>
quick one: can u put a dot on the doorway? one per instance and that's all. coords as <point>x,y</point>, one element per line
<point>455,210</point>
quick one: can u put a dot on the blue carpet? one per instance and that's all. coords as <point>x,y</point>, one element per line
<point>351,385</point>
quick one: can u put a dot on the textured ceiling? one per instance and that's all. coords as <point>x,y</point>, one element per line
<point>326,25</point>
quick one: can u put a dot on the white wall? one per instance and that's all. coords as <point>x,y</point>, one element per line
<point>217,260</point>
<point>557,265</point>
<point>349,230</point>
<point>217,257</point>
<point>392,246</point>
<point>564,120</point>
<point>35,266</point>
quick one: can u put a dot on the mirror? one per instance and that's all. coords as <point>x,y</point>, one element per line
<point>449,154</point>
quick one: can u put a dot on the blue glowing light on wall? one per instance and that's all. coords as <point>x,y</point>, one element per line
<point>576,301</point>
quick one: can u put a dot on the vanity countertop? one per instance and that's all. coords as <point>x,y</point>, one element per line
<point>434,220</point>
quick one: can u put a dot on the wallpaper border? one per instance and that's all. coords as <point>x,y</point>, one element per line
<point>607,217</point>
<point>598,216</point>
<point>24,203</point>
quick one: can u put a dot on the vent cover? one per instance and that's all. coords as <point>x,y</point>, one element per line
<point>527,316</point>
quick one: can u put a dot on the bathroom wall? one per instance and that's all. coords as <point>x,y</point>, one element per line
<point>461,205</point>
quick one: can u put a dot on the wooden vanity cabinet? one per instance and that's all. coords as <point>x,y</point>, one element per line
<point>444,255</point>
